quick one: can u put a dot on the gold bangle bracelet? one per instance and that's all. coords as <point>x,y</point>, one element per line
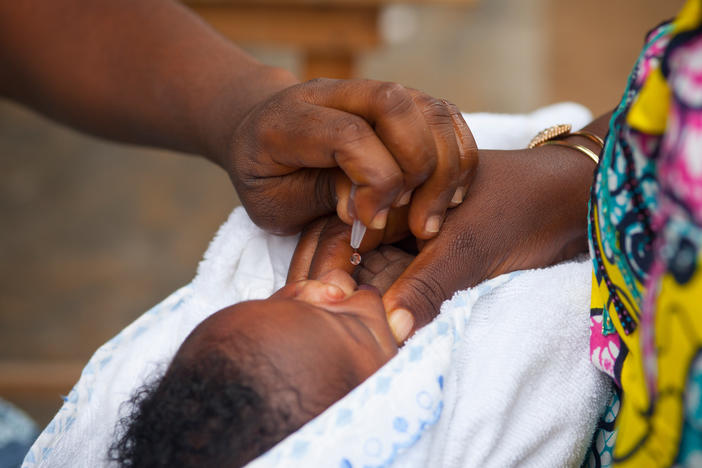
<point>549,133</point>
<point>586,151</point>
<point>588,135</point>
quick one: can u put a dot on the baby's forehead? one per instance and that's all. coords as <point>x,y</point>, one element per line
<point>270,337</point>
<point>252,323</point>
<point>224,339</point>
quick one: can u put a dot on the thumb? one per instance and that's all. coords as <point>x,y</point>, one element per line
<point>415,297</point>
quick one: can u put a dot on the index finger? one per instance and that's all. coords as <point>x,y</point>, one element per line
<point>441,189</point>
<point>391,110</point>
<point>401,126</point>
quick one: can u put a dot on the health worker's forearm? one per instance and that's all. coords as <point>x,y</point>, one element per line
<point>140,71</point>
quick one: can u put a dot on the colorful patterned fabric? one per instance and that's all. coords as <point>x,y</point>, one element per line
<point>645,233</point>
<point>602,447</point>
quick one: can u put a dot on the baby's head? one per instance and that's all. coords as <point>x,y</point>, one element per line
<point>255,372</point>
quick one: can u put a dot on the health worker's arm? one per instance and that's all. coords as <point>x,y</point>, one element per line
<point>150,72</point>
<point>526,208</point>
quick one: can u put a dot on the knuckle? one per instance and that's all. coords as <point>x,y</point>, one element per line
<point>468,246</point>
<point>436,112</point>
<point>388,182</point>
<point>429,294</point>
<point>311,91</point>
<point>452,108</point>
<point>319,82</point>
<point>422,99</point>
<point>351,129</point>
<point>394,99</point>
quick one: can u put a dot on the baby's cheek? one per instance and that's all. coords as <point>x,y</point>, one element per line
<point>374,361</point>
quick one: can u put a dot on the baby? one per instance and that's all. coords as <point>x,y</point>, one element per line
<point>255,372</point>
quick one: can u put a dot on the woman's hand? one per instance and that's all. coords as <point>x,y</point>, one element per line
<point>293,150</point>
<point>525,209</point>
<point>297,154</point>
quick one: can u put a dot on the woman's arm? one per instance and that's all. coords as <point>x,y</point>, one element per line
<point>150,72</point>
<point>526,208</point>
<point>140,71</point>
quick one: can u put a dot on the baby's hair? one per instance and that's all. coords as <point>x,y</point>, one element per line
<point>209,411</point>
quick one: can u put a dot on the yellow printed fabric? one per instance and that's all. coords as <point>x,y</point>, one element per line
<point>645,233</point>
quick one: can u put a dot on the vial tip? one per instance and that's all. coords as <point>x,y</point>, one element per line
<point>355,258</point>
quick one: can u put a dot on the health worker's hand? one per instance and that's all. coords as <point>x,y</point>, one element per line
<point>525,209</point>
<point>354,147</point>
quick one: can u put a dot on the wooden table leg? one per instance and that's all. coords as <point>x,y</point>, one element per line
<point>329,37</point>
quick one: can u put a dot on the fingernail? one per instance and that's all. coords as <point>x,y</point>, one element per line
<point>457,196</point>
<point>342,210</point>
<point>401,322</point>
<point>351,208</point>
<point>404,199</point>
<point>433,224</point>
<point>351,205</point>
<point>380,219</point>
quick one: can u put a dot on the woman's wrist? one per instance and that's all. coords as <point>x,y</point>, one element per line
<point>572,176</point>
<point>554,183</point>
<point>571,160</point>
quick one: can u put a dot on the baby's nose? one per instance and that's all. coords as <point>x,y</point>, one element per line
<point>340,279</point>
<point>319,293</point>
<point>332,286</point>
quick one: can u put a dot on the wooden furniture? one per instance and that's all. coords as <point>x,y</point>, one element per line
<point>330,33</point>
<point>22,379</point>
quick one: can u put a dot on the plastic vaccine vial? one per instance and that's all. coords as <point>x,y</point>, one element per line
<point>358,230</point>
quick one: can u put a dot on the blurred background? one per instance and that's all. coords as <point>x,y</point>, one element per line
<point>93,234</point>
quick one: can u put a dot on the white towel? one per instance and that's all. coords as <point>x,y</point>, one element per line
<point>516,382</point>
<point>501,378</point>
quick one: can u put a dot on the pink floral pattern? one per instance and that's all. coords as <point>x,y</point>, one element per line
<point>604,349</point>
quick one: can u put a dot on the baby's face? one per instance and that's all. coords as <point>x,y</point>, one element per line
<point>323,336</point>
